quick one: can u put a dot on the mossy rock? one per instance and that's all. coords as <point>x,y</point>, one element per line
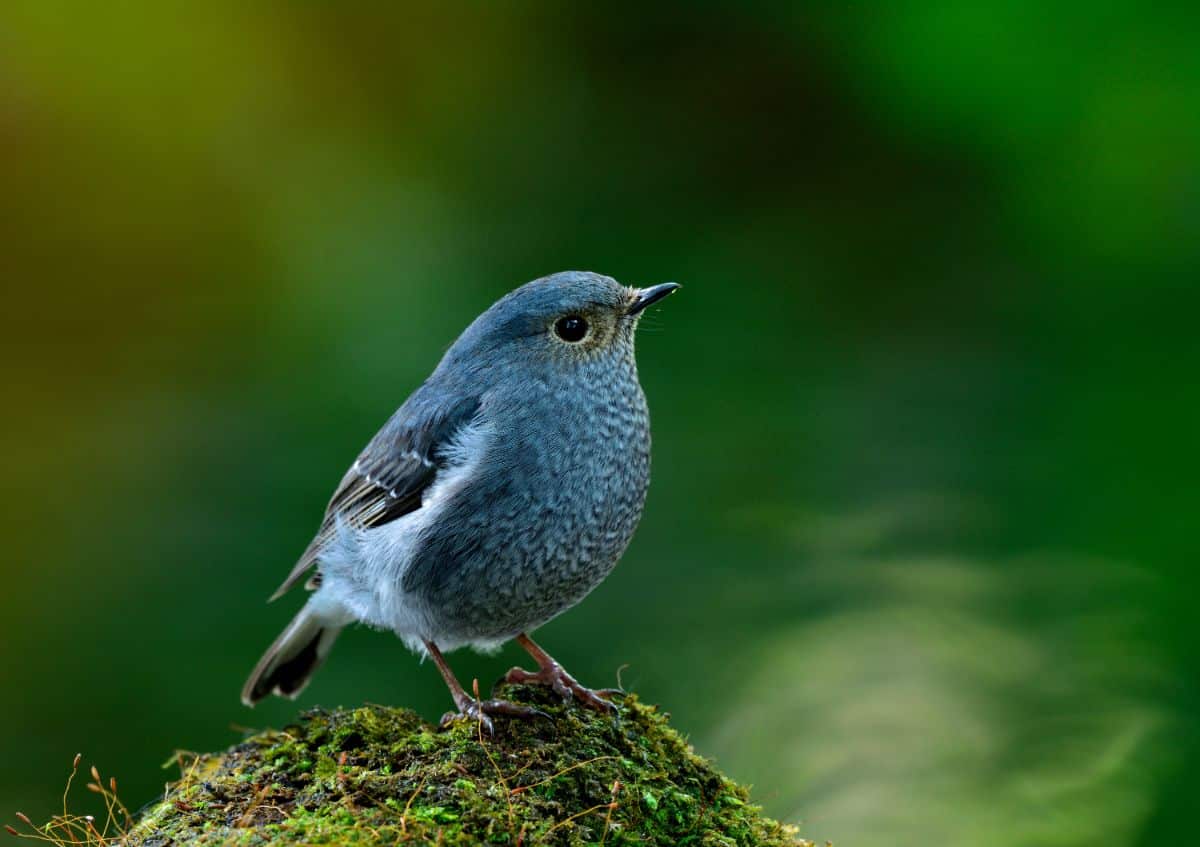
<point>382,775</point>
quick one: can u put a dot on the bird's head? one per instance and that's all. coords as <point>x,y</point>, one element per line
<point>563,320</point>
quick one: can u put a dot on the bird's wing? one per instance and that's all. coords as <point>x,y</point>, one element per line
<point>390,475</point>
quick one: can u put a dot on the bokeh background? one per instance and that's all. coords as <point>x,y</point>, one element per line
<point>919,560</point>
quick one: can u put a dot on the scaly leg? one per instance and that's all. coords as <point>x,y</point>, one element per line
<point>468,706</point>
<point>551,673</point>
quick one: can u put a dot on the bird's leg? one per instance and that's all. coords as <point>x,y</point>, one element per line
<point>471,707</point>
<point>551,673</point>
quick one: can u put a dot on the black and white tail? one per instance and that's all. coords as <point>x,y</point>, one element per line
<point>290,662</point>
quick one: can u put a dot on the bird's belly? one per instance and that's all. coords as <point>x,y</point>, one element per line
<point>538,560</point>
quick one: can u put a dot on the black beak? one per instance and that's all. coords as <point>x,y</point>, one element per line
<point>647,296</point>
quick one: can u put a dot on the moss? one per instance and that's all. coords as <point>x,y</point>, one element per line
<point>377,774</point>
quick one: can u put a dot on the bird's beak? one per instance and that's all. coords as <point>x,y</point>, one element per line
<point>646,296</point>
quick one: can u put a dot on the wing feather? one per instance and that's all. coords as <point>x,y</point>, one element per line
<point>391,474</point>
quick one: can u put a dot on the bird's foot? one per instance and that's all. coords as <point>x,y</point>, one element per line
<point>481,712</point>
<point>566,686</point>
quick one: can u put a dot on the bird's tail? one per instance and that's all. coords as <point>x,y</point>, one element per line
<point>290,662</point>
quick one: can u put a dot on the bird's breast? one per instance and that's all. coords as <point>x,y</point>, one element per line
<point>586,474</point>
<point>557,503</point>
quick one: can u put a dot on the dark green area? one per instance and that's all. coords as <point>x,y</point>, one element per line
<point>381,775</point>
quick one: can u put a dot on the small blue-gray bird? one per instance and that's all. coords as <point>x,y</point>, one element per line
<point>498,496</point>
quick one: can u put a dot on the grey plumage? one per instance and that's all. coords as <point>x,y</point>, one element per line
<point>500,493</point>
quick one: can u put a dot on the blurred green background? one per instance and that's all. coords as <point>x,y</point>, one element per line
<point>919,558</point>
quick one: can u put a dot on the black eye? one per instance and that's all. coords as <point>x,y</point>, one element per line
<point>571,328</point>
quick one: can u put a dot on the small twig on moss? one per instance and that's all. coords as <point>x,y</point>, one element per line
<point>521,788</point>
<point>495,764</point>
<point>248,816</point>
<point>577,815</point>
<point>616,788</point>
<point>185,776</point>
<point>621,685</point>
<point>408,805</point>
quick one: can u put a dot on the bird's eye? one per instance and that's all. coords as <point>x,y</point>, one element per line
<point>571,328</point>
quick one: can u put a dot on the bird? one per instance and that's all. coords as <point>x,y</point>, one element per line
<point>500,493</point>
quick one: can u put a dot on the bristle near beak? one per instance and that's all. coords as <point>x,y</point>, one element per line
<point>648,296</point>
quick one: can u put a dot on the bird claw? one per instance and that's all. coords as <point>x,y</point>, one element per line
<point>566,687</point>
<point>480,711</point>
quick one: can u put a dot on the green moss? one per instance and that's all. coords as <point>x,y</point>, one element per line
<point>376,774</point>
